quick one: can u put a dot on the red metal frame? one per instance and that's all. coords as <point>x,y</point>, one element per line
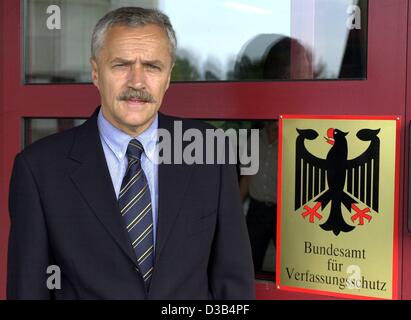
<point>396,202</point>
<point>3,213</point>
<point>406,252</point>
<point>382,93</point>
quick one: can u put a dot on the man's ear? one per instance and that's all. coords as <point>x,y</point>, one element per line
<point>94,71</point>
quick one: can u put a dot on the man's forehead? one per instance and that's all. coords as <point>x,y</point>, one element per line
<point>146,32</point>
<point>121,40</point>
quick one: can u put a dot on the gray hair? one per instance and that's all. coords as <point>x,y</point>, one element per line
<point>132,17</point>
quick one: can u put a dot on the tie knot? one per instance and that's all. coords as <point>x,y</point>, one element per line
<point>135,149</point>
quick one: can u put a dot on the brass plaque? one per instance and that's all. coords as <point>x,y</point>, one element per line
<point>337,205</point>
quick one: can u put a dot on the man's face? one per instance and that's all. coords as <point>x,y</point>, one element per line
<point>132,71</point>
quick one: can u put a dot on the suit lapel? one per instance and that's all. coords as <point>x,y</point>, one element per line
<point>92,179</point>
<point>172,183</point>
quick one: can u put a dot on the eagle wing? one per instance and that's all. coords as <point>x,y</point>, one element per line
<point>310,171</point>
<point>363,171</point>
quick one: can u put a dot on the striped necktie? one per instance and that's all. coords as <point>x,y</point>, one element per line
<point>135,207</point>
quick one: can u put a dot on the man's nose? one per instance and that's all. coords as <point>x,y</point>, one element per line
<point>136,77</point>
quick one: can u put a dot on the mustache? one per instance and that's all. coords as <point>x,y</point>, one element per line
<point>139,94</point>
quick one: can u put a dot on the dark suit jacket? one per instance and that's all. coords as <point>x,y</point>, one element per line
<point>64,212</point>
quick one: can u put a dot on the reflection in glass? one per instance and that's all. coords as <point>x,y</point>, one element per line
<point>218,40</point>
<point>259,194</point>
<point>35,128</point>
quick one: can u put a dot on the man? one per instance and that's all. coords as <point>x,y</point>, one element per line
<point>261,188</point>
<point>93,201</point>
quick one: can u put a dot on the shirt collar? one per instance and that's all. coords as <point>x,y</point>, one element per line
<point>118,140</point>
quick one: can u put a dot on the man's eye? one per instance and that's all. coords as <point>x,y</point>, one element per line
<point>119,65</point>
<point>153,67</point>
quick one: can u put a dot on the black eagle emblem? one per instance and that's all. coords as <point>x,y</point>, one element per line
<point>353,183</point>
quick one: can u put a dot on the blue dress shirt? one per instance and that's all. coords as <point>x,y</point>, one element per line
<point>115,144</point>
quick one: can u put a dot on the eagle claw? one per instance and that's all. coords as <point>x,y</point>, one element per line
<point>360,214</point>
<point>312,212</point>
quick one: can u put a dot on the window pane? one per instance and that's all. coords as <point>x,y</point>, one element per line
<point>259,192</point>
<point>219,40</point>
<point>35,129</point>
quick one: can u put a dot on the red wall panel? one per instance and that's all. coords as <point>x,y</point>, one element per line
<point>406,240</point>
<point>3,194</point>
